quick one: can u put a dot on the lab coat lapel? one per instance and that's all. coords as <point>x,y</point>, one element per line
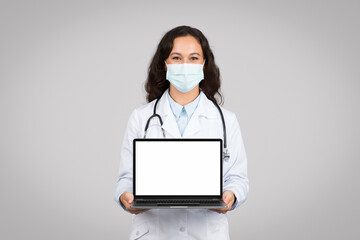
<point>170,126</point>
<point>205,109</point>
<point>193,126</point>
<point>169,122</point>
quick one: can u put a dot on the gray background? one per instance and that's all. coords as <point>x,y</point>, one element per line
<point>72,72</point>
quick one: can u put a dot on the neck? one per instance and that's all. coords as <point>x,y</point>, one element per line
<point>184,98</point>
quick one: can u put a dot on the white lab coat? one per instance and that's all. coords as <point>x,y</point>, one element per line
<point>185,223</point>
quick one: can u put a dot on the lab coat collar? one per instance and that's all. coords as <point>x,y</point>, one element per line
<point>169,122</point>
<point>205,109</point>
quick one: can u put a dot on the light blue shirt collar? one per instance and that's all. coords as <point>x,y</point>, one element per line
<point>177,108</point>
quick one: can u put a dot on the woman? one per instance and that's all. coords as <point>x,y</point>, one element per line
<point>184,77</point>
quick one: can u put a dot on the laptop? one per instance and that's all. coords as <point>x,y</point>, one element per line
<point>177,173</point>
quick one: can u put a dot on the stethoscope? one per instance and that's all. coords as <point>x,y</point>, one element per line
<point>226,153</point>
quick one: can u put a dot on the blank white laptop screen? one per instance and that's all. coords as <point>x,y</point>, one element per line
<point>177,167</point>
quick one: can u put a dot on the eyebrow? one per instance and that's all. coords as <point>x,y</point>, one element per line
<point>176,53</point>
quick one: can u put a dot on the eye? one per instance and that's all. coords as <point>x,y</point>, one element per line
<point>194,58</point>
<point>176,58</point>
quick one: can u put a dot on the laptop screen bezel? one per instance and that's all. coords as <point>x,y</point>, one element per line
<point>177,196</point>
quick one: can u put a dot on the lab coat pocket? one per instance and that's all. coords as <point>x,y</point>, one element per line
<point>139,231</point>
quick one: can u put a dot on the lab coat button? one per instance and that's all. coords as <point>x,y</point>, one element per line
<point>182,229</point>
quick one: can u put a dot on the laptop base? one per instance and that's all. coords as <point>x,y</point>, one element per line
<point>147,204</point>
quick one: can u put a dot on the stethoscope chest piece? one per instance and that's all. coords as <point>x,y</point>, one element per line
<point>226,155</point>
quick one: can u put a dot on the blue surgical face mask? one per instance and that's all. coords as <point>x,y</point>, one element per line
<point>184,77</point>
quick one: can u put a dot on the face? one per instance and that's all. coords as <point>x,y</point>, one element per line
<point>186,50</point>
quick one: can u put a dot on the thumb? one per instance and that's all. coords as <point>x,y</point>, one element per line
<point>129,197</point>
<point>227,197</point>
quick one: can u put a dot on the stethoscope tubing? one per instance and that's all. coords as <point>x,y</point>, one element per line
<point>155,115</point>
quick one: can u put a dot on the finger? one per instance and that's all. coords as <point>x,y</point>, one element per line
<point>227,196</point>
<point>229,200</point>
<point>126,204</point>
<point>129,198</point>
<point>141,211</point>
<point>214,210</point>
<point>220,211</point>
<point>137,211</point>
<point>228,206</point>
<point>134,211</point>
<point>224,210</point>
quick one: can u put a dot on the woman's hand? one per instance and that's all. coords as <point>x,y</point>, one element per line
<point>127,198</point>
<point>229,198</point>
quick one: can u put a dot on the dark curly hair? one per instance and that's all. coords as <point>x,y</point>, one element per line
<point>156,82</point>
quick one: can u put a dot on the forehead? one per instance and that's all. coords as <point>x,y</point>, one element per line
<point>187,44</point>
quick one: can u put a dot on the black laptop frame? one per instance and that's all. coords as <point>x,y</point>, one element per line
<point>178,196</point>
